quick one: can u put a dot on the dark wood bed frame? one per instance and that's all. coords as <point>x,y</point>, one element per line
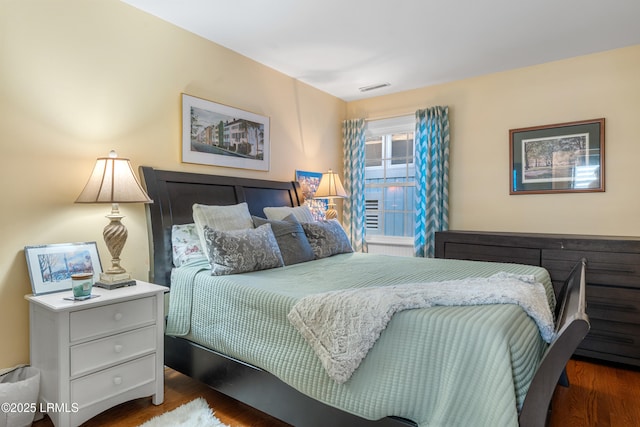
<point>174,193</point>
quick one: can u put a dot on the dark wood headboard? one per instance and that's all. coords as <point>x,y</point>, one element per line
<point>174,193</point>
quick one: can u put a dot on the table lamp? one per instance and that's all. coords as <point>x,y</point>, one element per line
<point>330,188</point>
<point>113,181</point>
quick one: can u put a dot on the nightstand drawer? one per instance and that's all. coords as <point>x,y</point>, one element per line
<point>111,382</point>
<point>112,318</point>
<point>97,354</point>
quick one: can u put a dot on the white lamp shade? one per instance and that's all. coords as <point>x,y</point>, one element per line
<point>113,181</point>
<point>330,187</point>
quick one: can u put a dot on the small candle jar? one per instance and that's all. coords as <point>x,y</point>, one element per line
<point>82,284</point>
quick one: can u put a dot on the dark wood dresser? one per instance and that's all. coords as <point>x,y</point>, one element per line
<point>613,279</point>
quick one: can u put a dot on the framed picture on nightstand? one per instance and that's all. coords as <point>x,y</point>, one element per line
<point>51,266</point>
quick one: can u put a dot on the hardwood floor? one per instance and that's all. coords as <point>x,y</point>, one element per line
<point>599,396</point>
<point>178,389</point>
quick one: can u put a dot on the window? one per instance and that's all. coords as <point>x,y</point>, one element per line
<point>390,178</point>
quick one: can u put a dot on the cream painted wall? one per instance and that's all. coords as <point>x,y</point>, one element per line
<point>78,78</point>
<point>483,109</point>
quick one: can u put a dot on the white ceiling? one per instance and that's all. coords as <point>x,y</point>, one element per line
<point>339,46</point>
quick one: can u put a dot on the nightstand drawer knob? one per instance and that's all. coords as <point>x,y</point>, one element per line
<point>117,348</point>
<point>117,380</point>
<point>118,316</point>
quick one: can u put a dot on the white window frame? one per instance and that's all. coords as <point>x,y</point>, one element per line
<point>385,128</point>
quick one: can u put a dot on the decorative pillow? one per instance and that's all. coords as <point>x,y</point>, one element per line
<point>302,213</point>
<point>327,238</point>
<point>224,218</point>
<point>291,239</point>
<point>185,244</point>
<point>241,251</point>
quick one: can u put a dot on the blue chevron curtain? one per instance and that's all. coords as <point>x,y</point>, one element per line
<point>432,177</point>
<point>353,214</point>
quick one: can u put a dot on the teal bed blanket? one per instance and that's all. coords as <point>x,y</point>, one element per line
<point>437,366</point>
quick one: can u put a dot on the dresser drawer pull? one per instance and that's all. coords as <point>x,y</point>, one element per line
<point>118,317</point>
<point>609,338</point>
<point>613,307</point>
<point>117,380</point>
<point>611,270</point>
<point>118,348</point>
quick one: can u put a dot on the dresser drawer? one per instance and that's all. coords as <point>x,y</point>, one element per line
<point>476,252</point>
<point>97,354</point>
<point>603,268</point>
<point>111,382</point>
<point>622,339</point>
<point>613,304</point>
<point>100,321</point>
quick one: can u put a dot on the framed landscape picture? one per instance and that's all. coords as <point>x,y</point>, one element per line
<point>51,266</point>
<point>560,158</point>
<point>219,135</point>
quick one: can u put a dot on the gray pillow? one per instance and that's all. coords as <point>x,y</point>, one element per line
<point>327,238</point>
<point>302,213</point>
<point>241,251</point>
<point>228,217</point>
<point>291,239</point>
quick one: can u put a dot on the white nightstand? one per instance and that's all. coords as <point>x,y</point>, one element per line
<point>97,353</point>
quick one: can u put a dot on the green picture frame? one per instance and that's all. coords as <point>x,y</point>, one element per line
<point>558,158</point>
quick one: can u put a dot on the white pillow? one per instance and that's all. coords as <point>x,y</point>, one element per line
<point>301,213</point>
<point>223,218</point>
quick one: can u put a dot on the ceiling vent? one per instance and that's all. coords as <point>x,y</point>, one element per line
<point>373,87</point>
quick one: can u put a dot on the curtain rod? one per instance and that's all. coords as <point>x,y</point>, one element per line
<point>389,117</point>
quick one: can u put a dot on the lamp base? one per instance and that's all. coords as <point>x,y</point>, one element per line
<point>114,281</point>
<point>331,214</point>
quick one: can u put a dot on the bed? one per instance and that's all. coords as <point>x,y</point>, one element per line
<point>411,376</point>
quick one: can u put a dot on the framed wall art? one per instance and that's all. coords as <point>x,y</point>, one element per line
<point>51,266</point>
<point>560,158</point>
<point>309,182</point>
<point>219,135</point>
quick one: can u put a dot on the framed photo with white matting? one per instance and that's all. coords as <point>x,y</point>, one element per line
<point>51,266</point>
<point>219,135</point>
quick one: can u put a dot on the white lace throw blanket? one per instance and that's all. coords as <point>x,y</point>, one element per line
<point>342,326</point>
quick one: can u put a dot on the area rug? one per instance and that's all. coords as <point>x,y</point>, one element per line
<point>196,413</point>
